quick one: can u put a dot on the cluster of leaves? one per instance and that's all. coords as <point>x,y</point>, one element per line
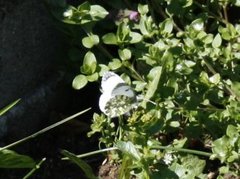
<point>184,56</point>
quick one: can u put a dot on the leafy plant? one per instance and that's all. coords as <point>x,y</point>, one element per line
<point>182,58</point>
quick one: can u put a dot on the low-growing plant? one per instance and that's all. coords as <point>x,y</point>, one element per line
<point>182,58</point>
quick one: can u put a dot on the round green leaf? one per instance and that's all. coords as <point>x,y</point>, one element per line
<point>90,41</point>
<point>115,64</point>
<point>215,79</point>
<point>198,24</point>
<point>143,9</point>
<point>93,77</point>
<point>135,37</point>
<point>98,12</point>
<point>125,54</point>
<point>217,41</point>
<point>79,82</point>
<point>110,38</point>
<point>89,63</point>
<point>166,26</point>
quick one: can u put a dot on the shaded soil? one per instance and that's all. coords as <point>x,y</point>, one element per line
<point>31,51</point>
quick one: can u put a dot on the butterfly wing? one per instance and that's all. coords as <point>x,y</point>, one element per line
<point>117,98</point>
<point>109,81</point>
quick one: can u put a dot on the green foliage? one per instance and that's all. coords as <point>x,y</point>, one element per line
<point>182,58</point>
<point>83,165</point>
<point>11,159</point>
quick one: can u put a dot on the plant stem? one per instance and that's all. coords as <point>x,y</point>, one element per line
<point>99,46</point>
<point>206,154</point>
<point>227,89</point>
<point>34,169</point>
<point>225,13</point>
<point>162,13</point>
<point>93,153</point>
<point>44,130</point>
<point>5,109</point>
<point>210,13</point>
<point>197,152</point>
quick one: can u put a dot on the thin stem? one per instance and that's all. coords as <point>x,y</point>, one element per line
<point>210,13</point>
<point>162,13</point>
<point>225,13</point>
<point>93,153</point>
<point>104,50</point>
<point>227,89</point>
<point>34,169</point>
<point>136,74</point>
<point>197,152</point>
<point>99,46</point>
<point>5,109</point>
<point>44,130</point>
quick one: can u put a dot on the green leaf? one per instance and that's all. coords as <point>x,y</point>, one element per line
<point>237,3</point>
<point>129,149</point>
<point>5,109</point>
<point>84,7</point>
<point>115,64</point>
<point>217,41</point>
<point>215,79</point>
<point>90,41</point>
<point>154,77</point>
<point>204,78</point>
<point>220,148</point>
<point>189,167</point>
<point>98,12</point>
<point>11,159</point>
<point>123,33</point>
<point>124,54</point>
<point>174,124</point>
<point>82,164</point>
<point>79,82</point>
<point>140,85</point>
<point>143,9</point>
<point>89,63</point>
<point>135,37</point>
<point>110,38</point>
<point>197,24</point>
<point>93,77</point>
<point>166,26</point>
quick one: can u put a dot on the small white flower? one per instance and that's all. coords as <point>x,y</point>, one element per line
<point>168,158</point>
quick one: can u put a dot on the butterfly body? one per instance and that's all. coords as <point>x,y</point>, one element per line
<point>117,98</point>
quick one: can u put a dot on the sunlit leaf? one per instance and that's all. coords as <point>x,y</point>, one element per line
<point>79,82</point>
<point>217,41</point>
<point>90,41</point>
<point>11,159</point>
<point>110,38</point>
<point>83,165</point>
<point>128,148</point>
<point>89,63</point>
<point>125,54</point>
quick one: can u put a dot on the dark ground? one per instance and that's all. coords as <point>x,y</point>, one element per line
<point>31,50</point>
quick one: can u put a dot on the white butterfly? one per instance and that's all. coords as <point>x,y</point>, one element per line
<point>117,97</point>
